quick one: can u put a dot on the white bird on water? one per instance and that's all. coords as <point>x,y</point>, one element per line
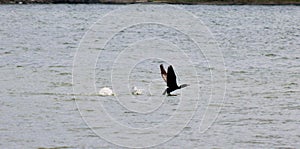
<point>136,91</point>
<point>105,91</point>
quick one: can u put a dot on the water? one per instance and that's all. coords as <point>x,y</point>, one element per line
<point>260,45</point>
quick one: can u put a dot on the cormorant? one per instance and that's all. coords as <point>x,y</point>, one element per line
<point>170,79</point>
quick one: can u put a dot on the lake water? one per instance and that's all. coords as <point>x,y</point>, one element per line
<point>255,96</point>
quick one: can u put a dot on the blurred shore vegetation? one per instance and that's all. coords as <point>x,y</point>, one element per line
<point>205,2</point>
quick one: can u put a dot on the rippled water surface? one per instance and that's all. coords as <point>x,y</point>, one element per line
<point>261,50</point>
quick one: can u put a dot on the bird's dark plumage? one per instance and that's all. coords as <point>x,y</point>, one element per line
<point>163,73</point>
<point>170,78</point>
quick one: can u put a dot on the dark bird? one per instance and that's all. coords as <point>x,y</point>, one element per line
<point>170,78</point>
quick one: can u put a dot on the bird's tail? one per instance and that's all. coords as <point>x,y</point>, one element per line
<point>183,85</point>
<point>164,93</point>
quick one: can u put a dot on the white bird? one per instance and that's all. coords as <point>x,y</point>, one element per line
<point>136,91</point>
<point>105,91</point>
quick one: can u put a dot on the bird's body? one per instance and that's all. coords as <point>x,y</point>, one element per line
<point>170,78</point>
<point>136,91</point>
<point>105,91</point>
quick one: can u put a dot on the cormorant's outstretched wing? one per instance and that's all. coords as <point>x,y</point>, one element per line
<point>163,72</point>
<point>171,81</point>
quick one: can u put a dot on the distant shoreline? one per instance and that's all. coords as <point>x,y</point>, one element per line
<point>184,2</point>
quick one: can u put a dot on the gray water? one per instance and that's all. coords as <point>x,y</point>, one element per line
<point>261,108</point>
